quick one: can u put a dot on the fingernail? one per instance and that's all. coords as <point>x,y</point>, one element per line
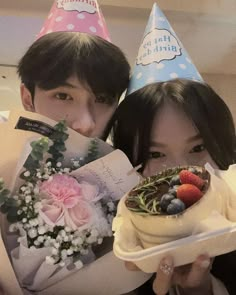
<point>166,266</point>
<point>205,263</point>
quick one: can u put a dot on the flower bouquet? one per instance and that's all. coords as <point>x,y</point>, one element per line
<point>181,211</point>
<point>59,210</point>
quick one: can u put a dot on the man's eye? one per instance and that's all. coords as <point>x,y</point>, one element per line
<point>198,148</point>
<point>63,96</point>
<point>156,155</point>
<point>101,99</point>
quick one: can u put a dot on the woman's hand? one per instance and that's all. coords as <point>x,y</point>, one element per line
<point>192,278</point>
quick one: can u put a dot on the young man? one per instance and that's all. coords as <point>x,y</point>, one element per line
<point>73,71</point>
<point>79,77</point>
<point>74,76</point>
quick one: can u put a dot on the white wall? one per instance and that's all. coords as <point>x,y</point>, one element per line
<point>225,86</point>
<point>207,28</point>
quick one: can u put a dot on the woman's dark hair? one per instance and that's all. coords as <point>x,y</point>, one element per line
<point>211,116</point>
<point>134,118</point>
<point>53,58</point>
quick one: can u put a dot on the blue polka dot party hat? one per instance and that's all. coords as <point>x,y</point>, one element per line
<point>161,56</point>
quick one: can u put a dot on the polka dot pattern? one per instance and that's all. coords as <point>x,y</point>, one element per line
<point>80,16</point>
<point>93,29</point>
<point>173,75</point>
<point>158,65</point>
<point>86,19</point>
<point>59,19</point>
<point>182,66</point>
<point>139,75</point>
<point>70,27</point>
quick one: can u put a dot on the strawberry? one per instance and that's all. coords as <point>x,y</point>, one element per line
<point>189,194</point>
<point>187,177</point>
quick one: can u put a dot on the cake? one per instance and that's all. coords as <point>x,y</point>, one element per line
<point>168,206</point>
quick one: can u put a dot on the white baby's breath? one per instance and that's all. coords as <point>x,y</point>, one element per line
<point>12,228</point>
<point>62,264</point>
<point>79,264</point>
<point>27,173</point>
<point>94,232</point>
<point>67,229</point>
<point>100,240</point>
<point>36,243</point>
<point>66,239</point>
<point>33,233</point>
<point>50,260</point>
<point>70,251</point>
<point>91,240</point>
<point>23,188</point>
<point>28,199</point>
<point>40,239</point>
<point>46,243</point>
<point>84,251</point>
<point>42,229</point>
<point>57,245</point>
<point>64,254</point>
<point>54,251</point>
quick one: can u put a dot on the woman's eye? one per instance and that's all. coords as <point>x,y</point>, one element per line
<point>63,96</point>
<point>156,155</point>
<point>198,148</point>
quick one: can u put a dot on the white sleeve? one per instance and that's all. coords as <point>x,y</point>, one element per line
<point>218,288</point>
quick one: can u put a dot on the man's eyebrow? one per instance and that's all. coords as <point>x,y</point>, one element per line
<point>67,84</point>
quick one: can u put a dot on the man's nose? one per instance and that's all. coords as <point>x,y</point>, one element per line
<point>84,122</point>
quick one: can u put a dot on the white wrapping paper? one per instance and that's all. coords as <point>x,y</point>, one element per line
<point>32,272</point>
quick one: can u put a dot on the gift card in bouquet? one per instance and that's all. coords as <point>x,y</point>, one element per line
<point>58,210</point>
<point>183,212</point>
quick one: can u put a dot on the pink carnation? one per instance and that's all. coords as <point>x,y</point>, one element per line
<point>89,191</point>
<point>80,215</point>
<point>52,212</point>
<point>62,188</point>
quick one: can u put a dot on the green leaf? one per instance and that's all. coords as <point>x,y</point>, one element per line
<point>4,208</point>
<point>4,193</point>
<point>31,164</point>
<point>11,202</point>
<point>12,215</point>
<point>2,199</point>
<point>37,156</point>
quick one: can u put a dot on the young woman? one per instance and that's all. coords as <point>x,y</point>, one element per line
<point>175,123</point>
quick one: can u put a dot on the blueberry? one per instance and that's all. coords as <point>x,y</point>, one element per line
<point>173,191</point>
<point>176,206</point>
<point>175,187</point>
<point>175,180</point>
<point>165,201</point>
<point>193,170</point>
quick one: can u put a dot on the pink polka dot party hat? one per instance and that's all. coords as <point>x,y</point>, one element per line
<point>82,16</point>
